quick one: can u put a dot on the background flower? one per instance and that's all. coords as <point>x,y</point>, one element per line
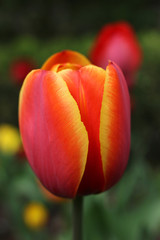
<point>35,215</point>
<point>10,141</point>
<point>19,69</point>
<point>118,42</point>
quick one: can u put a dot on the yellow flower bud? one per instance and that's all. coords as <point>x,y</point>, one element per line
<point>10,140</point>
<point>35,215</point>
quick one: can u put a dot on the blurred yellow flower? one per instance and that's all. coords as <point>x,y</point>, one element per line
<point>10,140</point>
<point>35,215</point>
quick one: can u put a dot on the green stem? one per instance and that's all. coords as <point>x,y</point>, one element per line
<point>77,218</point>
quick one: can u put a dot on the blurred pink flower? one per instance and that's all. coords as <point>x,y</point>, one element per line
<point>118,42</point>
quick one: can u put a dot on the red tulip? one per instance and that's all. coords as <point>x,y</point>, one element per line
<point>75,124</point>
<point>118,42</point>
<point>20,68</point>
<point>51,196</point>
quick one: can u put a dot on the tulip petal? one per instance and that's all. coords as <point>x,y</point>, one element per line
<point>89,81</point>
<point>54,137</point>
<point>114,125</point>
<point>62,66</point>
<point>66,56</point>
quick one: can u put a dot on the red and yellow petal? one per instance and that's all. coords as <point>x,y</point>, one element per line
<point>50,196</point>
<point>87,86</point>
<point>54,138</point>
<point>62,66</point>
<point>114,125</point>
<point>66,56</point>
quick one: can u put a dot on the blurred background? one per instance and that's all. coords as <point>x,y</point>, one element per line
<point>31,31</point>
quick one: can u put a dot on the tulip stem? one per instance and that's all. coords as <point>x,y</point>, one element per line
<point>77,218</point>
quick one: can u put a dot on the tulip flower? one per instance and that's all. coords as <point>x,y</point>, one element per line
<point>74,121</point>
<point>118,42</point>
<point>48,195</point>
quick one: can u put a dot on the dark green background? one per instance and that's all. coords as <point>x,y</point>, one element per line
<point>45,19</point>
